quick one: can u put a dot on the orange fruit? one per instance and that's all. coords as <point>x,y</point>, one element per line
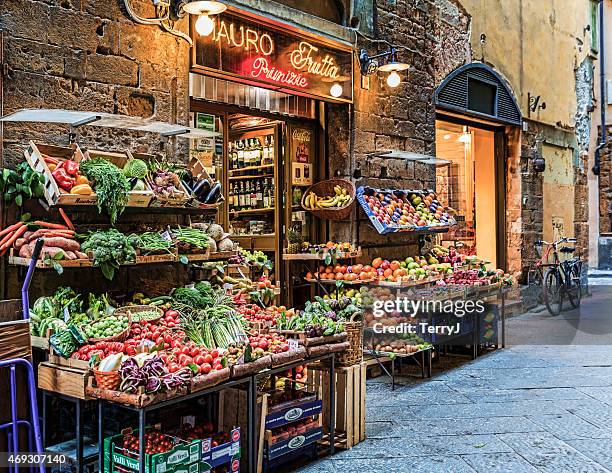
<point>367,268</point>
<point>308,275</point>
<point>364,276</point>
<point>377,262</point>
<point>339,276</point>
<point>329,269</point>
<point>343,269</point>
<point>357,268</point>
<point>394,265</point>
<point>388,272</point>
<point>337,268</point>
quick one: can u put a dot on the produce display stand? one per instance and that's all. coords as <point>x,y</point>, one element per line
<point>143,411</point>
<point>422,358</point>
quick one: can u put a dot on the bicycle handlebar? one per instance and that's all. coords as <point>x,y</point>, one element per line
<point>562,240</point>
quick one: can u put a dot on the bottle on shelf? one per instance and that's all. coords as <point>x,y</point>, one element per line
<point>233,157</point>
<point>235,202</point>
<point>241,201</point>
<point>265,152</point>
<point>271,149</point>
<point>272,197</point>
<point>253,195</point>
<point>259,154</point>
<point>230,197</point>
<point>240,154</point>
<point>260,201</point>
<point>266,195</point>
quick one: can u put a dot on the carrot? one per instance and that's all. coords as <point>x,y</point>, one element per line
<point>11,228</point>
<point>6,238</point>
<point>66,219</point>
<point>20,231</point>
<point>44,224</point>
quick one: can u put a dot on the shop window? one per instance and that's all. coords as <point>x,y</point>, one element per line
<point>331,10</point>
<point>481,96</point>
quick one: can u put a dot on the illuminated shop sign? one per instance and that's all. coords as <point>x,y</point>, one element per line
<point>266,54</point>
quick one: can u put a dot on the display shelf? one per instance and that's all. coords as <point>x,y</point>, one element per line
<point>252,211</point>
<point>134,210</point>
<point>251,168</point>
<point>332,282</point>
<point>244,178</point>
<point>253,235</point>
<point>320,256</point>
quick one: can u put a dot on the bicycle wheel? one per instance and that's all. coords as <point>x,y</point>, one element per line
<point>573,288</point>
<point>553,293</point>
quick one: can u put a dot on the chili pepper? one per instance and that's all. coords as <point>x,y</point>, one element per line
<point>63,179</point>
<point>71,167</point>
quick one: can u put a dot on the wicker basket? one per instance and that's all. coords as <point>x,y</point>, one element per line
<point>354,354</point>
<point>107,379</point>
<point>324,188</point>
<point>132,312</point>
<point>120,337</point>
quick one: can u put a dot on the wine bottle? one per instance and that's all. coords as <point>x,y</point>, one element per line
<point>260,200</point>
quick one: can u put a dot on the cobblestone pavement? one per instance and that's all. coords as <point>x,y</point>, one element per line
<point>526,408</point>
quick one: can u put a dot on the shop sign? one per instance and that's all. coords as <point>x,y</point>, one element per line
<point>264,53</point>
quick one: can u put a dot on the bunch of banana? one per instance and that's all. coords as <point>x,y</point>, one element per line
<point>439,250</point>
<point>340,199</point>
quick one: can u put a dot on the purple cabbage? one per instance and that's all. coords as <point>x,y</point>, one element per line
<point>153,385</point>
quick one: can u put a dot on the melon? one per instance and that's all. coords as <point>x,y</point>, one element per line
<point>215,231</point>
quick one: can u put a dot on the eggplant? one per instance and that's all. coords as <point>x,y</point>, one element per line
<point>214,194</point>
<point>201,189</point>
<point>187,185</point>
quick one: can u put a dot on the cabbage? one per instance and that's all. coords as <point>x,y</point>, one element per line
<point>136,168</point>
<point>44,307</point>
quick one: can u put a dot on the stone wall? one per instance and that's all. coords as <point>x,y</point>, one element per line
<point>88,55</point>
<point>605,188</point>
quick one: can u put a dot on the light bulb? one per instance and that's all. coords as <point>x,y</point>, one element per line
<point>335,90</point>
<point>393,79</point>
<point>204,25</point>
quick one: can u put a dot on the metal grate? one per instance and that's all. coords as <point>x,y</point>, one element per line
<point>453,93</point>
<point>218,90</point>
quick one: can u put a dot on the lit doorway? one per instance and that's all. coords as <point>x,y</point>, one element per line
<point>468,183</point>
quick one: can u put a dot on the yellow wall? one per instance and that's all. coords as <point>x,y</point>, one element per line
<point>485,195</point>
<point>530,43</point>
<point>558,190</point>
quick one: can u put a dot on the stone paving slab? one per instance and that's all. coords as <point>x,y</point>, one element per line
<point>599,450</point>
<point>569,427</point>
<point>603,394</point>
<point>499,463</point>
<point>550,454</point>
<point>446,464</point>
<point>484,410</point>
<point>550,394</point>
<point>465,426</point>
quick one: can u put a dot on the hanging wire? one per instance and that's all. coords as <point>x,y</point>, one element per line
<point>383,41</point>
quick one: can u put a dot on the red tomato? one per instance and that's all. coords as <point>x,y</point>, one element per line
<point>205,368</point>
<point>199,359</point>
<point>208,358</point>
<point>172,313</point>
<point>195,351</point>
<point>185,350</point>
<point>215,353</point>
<point>173,367</point>
<point>168,338</point>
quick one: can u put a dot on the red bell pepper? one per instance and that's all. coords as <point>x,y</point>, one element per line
<point>63,180</point>
<point>71,167</point>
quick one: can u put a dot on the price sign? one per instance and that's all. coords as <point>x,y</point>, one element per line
<point>293,344</point>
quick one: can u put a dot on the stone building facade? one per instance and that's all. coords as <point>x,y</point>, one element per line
<point>88,55</point>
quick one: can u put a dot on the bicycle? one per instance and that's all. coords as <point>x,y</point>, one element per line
<point>558,278</point>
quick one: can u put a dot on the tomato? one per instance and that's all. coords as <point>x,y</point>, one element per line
<point>172,313</point>
<point>172,367</point>
<point>168,338</point>
<point>263,344</point>
<point>176,344</point>
<point>208,358</point>
<point>195,351</point>
<point>184,359</point>
<point>185,350</point>
<point>205,368</point>
<point>199,359</point>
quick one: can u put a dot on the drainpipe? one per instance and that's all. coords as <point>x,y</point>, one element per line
<point>602,83</point>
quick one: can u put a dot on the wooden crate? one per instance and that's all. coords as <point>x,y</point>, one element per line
<point>34,156</point>
<point>64,380</point>
<point>350,385</point>
<point>15,340</point>
<point>135,198</point>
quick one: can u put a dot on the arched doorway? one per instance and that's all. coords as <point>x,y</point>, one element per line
<point>475,111</point>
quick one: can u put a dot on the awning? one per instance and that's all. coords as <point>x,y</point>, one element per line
<point>76,118</point>
<point>409,156</point>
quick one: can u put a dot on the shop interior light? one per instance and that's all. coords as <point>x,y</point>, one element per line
<point>335,90</point>
<point>204,9</point>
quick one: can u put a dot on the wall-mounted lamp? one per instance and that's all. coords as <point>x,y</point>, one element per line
<point>539,163</point>
<point>204,25</point>
<point>336,88</point>
<point>169,11</point>
<point>370,64</point>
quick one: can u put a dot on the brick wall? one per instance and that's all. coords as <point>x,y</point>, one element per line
<point>605,188</point>
<point>383,118</point>
<point>88,55</point>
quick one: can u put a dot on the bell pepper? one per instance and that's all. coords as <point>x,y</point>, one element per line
<point>71,167</point>
<point>82,189</point>
<point>63,179</point>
